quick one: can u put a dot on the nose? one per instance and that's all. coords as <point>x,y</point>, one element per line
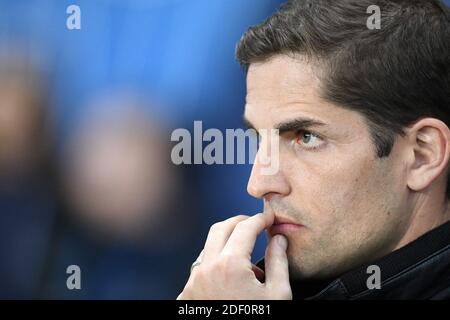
<point>263,185</point>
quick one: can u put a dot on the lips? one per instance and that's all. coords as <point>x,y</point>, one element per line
<point>283,220</point>
<point>283,225</point>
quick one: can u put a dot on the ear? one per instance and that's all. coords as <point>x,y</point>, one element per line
<point>430,142</point>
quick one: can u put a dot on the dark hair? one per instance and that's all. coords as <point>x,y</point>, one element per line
<point>393,75</point>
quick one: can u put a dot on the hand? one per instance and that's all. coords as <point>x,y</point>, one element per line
<point>226,271</point>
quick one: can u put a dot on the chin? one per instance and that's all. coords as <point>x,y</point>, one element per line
<point>304,268</point>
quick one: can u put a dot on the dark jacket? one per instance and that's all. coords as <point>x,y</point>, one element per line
<point>419,270</point>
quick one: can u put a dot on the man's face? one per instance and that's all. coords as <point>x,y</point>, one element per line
<point>352,204</point>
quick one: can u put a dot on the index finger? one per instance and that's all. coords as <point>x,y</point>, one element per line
<point>242,240</point>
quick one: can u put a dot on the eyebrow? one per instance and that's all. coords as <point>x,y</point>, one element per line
<point>302,123</point>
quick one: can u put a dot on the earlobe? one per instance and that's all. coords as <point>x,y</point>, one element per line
<point>430,139</point>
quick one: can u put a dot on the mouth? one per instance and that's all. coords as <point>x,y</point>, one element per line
<point>284,226</point>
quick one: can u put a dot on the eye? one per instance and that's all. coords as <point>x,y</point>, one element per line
<point>308,140</point>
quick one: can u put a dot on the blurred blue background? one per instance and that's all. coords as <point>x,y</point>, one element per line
<point>156,65</point>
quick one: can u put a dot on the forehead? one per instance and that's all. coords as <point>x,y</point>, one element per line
<point>284,87</point>
<point>281,77</point>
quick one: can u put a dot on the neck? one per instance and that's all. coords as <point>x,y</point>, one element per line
<point>428,214</point>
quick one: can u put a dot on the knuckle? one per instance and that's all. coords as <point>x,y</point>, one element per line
<point>242,225</point>
<point>216,226</point>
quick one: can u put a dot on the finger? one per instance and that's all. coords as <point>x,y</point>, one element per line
<point>219,234</point>
<point>243,237</point>
<point>276,263</point>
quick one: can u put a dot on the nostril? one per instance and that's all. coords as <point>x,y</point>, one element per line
<point>268,196</point>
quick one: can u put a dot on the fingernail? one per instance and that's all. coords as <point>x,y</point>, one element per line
<point>281,241</point>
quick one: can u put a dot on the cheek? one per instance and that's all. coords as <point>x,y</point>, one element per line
<point>337,191</point>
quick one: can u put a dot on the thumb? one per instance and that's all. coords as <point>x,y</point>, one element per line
<point>277,267</point>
